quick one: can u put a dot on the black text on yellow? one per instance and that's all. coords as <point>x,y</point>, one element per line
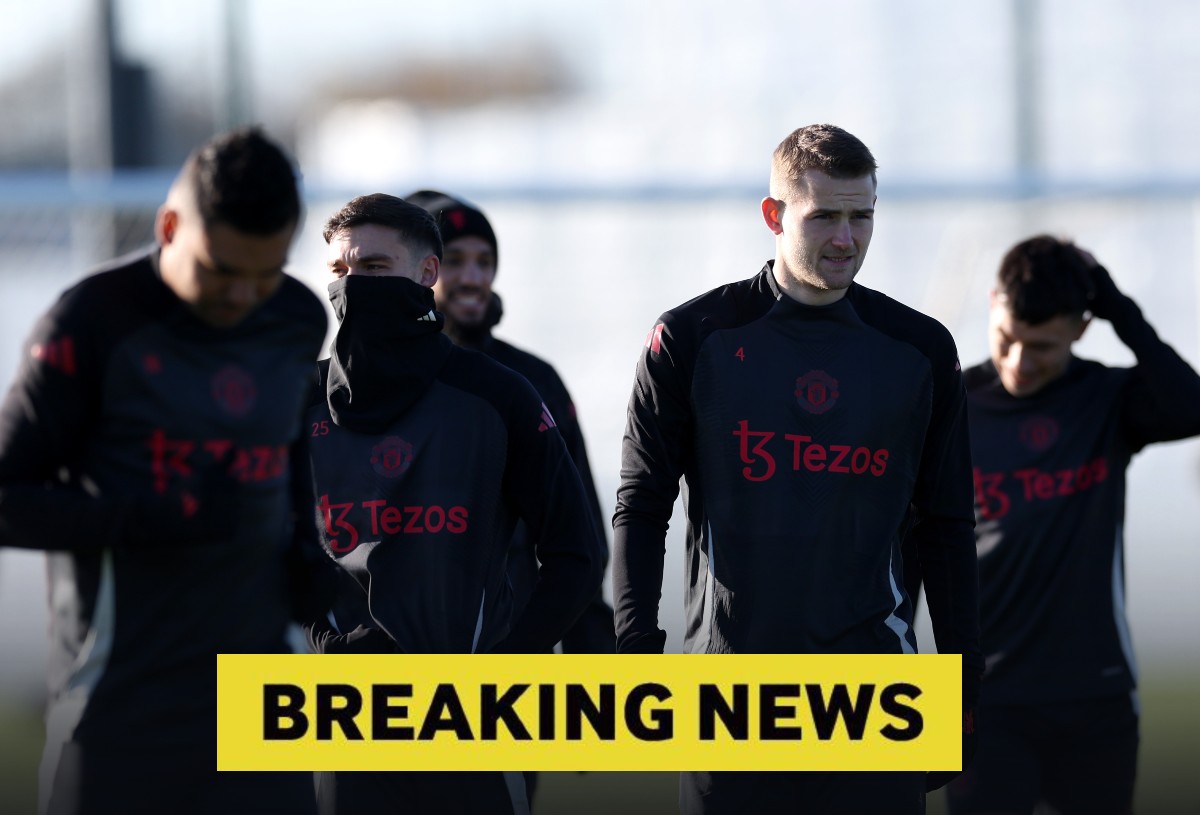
<point>572,712</point>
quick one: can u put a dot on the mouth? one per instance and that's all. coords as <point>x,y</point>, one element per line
<point>467,306</point>
<point>1024,383</point>
<point>468,298</point>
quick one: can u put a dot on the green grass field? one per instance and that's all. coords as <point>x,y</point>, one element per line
<point>1168,780</point>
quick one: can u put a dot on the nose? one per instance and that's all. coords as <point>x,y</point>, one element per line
<point>842,236</point>
<point>472,274</point>
<point>1023,361</point>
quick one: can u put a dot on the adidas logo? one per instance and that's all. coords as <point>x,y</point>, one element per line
<point>547,420</point>
<point>431,317</point>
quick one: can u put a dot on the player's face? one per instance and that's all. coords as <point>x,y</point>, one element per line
<point>823,226</point>
<point>1030,357</point>
<point>223,274</point>
<point>464,286</point>
<point>379,251</point>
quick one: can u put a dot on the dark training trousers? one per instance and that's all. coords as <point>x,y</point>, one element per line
<point>1079,757</point>
<point>152,781</point>
<point>421,793</point>
<point>818,793</point>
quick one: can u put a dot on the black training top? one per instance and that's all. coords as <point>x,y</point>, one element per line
<point>593,631</point>
<point>424,457</point>
<point>811,440</point>
<point>122,409</point>
<point>1050,505</point>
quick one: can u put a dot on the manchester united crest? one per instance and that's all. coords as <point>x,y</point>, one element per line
<point>1039,433</point>
<point>817,391</point>
<point>234,390</point>
<point>392,456</point>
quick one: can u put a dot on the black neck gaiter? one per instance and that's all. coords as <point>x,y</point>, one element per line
<point>388,349</point>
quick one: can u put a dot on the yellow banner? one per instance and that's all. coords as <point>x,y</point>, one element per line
<point>589,712</point>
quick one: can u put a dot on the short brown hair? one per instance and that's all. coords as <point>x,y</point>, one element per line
<point>417,227</point>
<point>827,148</point>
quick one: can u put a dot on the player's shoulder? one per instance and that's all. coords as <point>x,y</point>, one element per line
<point>119,277</point>
<point>296,305</point>
<point>904,323</point>
<point>728,304</point>
<point>890,316</point>
<point>116,296</point>
<point>526,363</point>
<point>295,296</point>
<point>1089,376</point>
<point>682,329</point>
<point>476,373</point>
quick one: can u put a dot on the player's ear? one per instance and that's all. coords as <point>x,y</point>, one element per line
<point>166,222</point>
<point>772,212</point>
<point>429,270</point>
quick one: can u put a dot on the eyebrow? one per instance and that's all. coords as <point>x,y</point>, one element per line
<point>1004,335</point>
<point>862,211</point>
<point>375,258</point>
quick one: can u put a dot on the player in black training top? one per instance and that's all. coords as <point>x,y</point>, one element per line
<point>464,296</point>
<point>425,456</point>
<point>815,423</point>
<point>148,444</point>
<point>1051,438</point>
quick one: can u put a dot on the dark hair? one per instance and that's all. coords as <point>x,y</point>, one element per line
<point>827,148</point>
<point>416,226</point>
<point>1044,277</point>
<point>244,180</point>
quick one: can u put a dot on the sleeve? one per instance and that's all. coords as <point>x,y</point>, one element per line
<point>312,574</point>
<point>654,454</point>
<point>572,434</point>
<point>593,631</point>
<point>45,421</point>
<point>1159,401</point>
<point>545,486</point>
<point>942,536</point>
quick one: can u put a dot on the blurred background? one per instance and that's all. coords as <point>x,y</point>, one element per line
<point>620,148</point>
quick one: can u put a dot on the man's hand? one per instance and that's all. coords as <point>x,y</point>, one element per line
<point>362,640</point>
<point>1103,295</point>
